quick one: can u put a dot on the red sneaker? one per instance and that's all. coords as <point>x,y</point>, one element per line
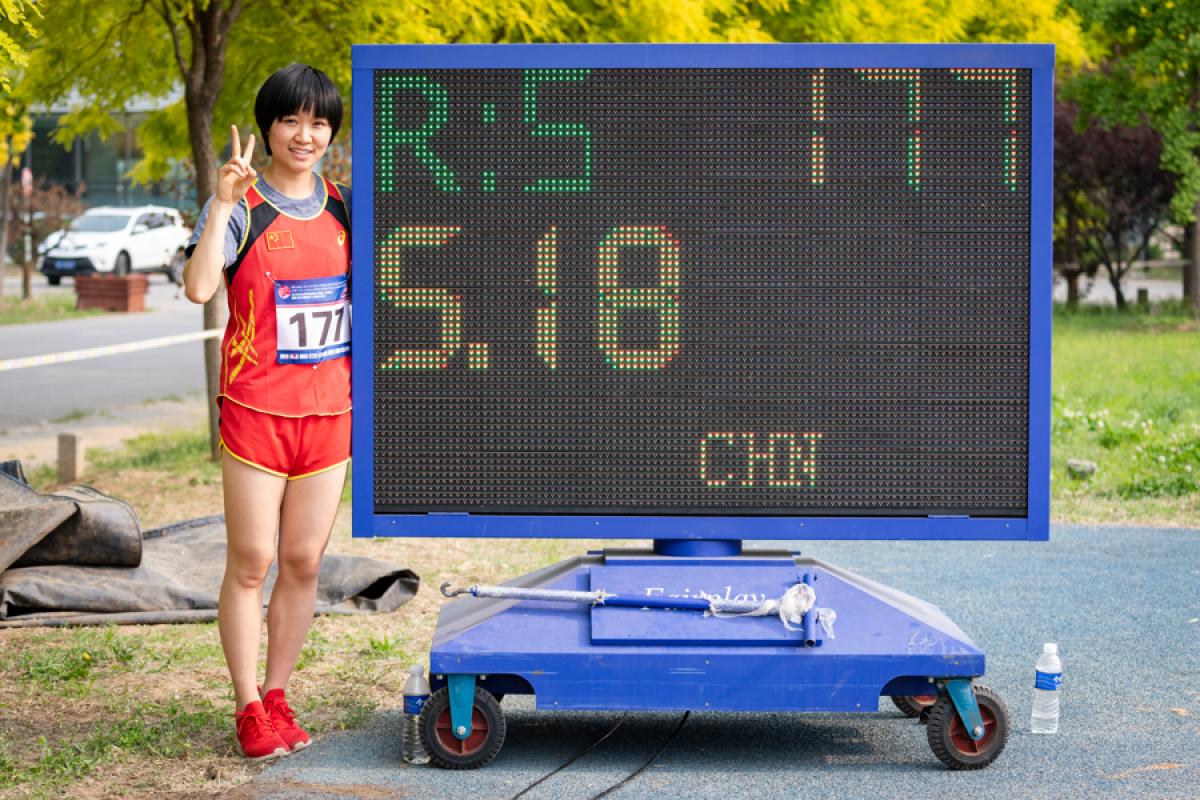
<point>256,735</point>
<point>284,719</point>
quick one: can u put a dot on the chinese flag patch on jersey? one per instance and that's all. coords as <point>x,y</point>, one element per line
<point>280,240</point>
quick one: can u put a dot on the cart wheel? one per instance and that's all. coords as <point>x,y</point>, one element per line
<point>950,741</point>
<point>448,751</point>
<point>912,706</point>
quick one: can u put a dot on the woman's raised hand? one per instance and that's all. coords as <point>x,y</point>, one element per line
<point>236,176</point>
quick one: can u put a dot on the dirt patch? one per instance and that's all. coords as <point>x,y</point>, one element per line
<point>317,791</point>
<point>38,444</point>
<point>160,779</point>
<point>161,499</point>
<point>351,667</point>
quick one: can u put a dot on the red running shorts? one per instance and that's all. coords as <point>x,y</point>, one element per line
<point>290,447</point>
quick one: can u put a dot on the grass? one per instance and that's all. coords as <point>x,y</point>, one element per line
<point>69,668</point>
<point>169,398</point>
<point>166,452</point>
<point>168,730</point>
<point>101,682</point>
<point>167,477</point>
<point>74,415</point>
<point>1125,396</point>
<point>45,308</point>
<point>146,710</point>
<point>42,477</point>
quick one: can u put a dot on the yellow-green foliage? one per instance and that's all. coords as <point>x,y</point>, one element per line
<point>116,52</point>
<point>680,21</point>
<point>14,123</point>
<point>1151,52</point>
<point>15,24</point>
<point>931,21</point>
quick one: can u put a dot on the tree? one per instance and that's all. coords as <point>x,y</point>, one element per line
<point>1153,74</point>
<point>1111,193</point>
<point>15,23</point>
<point>924,21</point>
<point>220,51</point>
<point>47,209</point>
<point>14,126</point>
<point>828,21</point>
<point>16,131</point>
<point>679,21</point>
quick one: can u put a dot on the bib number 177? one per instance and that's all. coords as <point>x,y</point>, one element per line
<point>312,320</point>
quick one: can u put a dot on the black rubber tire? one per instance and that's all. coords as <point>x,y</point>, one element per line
<point>487,731</point>
<point>121,268</point>
<point>912,706</point>
<point>949,740</point>
<point>175,268</point>
<point>54,280</point>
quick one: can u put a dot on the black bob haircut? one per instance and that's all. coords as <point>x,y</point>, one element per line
<point>297,87</point>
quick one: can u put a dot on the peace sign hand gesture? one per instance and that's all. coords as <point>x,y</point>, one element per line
<point>236,176</point>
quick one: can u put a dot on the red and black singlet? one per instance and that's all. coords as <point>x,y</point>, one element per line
<point>286,346</point>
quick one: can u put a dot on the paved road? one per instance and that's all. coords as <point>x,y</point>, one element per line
<point>1099,291</point>
<point>38,394</point>
<point>1123,604</point>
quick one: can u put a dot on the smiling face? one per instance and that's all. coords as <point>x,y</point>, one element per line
<point>298,140</point>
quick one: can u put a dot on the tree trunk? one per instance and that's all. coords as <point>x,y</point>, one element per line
<point>1114,279</point>
<point>5,188</point>
<point>1191,270</point>
<point>1072,272</point>
<point>1071,276</point>
<point>27,263</point>
<point>200,116</point>
<point>202,78</point>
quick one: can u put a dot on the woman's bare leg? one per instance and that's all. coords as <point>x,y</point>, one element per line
<point>309,509</point>
<point>252,501</point>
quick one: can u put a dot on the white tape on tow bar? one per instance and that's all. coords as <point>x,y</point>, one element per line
<point>107,350</point>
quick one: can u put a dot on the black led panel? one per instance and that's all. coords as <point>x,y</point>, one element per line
<point>702,291</point>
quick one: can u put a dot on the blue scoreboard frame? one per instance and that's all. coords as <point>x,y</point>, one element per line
<point>1034,525</point>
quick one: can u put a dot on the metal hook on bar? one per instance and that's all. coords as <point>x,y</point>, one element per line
<point>452,592</point>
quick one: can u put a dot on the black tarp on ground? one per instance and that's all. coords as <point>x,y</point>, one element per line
<point>65,552</point>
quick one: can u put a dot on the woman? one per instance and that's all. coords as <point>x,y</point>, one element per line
<point>280,241</point>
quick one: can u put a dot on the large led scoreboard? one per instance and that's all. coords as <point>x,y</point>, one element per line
<point>702,291</point>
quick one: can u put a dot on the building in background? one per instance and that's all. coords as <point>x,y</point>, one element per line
<point>102,164</point>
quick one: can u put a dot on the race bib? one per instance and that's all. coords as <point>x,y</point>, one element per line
<point>312,320</point>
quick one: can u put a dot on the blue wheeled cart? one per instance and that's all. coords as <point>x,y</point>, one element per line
<point>649,656</point>
<point>698,295</point>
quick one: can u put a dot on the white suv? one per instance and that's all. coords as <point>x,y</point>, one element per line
<point>120,241</point>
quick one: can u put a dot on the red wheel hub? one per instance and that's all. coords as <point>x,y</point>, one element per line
<point>462,747</point>
<point>963,742</point>
<point>924,700</point>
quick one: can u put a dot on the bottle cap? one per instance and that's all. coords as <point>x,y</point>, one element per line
<point>1051,648</point>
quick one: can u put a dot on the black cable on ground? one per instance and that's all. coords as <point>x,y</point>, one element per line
<point>578,755</point>
<point>649,761</point>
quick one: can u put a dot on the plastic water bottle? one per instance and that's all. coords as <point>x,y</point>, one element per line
<point>1047,681</point>
<point>416,692</point>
